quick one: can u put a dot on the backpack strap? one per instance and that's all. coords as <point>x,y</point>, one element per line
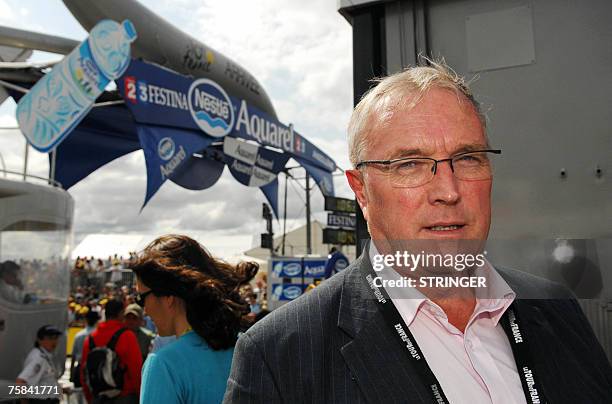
<point>115,338</point>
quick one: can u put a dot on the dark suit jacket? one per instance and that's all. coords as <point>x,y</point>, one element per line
<point>332,345</point>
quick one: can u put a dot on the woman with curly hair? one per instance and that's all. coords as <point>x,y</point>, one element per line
<point>193,296</point>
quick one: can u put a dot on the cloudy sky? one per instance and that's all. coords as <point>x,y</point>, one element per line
<point>300,51</point>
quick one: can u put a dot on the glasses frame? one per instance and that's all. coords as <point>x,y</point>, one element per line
<point>436,162</point>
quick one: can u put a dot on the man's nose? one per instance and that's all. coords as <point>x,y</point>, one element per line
<point>443,188</point>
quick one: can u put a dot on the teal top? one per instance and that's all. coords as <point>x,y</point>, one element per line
<point>186,371</point>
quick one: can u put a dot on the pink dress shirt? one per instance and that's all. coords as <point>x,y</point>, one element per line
<point>476,366</point>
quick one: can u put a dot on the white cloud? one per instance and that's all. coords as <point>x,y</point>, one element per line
<point>6,13</point>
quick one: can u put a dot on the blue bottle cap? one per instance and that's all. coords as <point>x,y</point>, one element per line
<point>130,30</point>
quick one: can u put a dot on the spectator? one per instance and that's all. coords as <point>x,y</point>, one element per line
<point>193,296</point>
<point>336,262</point>
<point>92,318</point>
<point>149,324</point>
<point>11,288</point>
<point>39,368</point>
<point>127,350</point>
<point>116,275</point>
<point>134,321</point>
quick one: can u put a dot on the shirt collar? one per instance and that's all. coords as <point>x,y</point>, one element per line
<point>496,297</point>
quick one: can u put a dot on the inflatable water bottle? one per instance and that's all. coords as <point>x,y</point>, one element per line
<point>62,98</point>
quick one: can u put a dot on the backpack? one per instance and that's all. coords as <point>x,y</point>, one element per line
<point>103,369</point>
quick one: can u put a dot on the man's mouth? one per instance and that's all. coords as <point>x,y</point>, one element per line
<point>445,227</point>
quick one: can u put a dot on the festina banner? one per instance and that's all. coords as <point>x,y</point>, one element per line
<point>162,98</point>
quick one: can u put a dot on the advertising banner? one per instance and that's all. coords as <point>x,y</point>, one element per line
<point>166,150</point>
<point>324,179</point>
<point>343,220</point>
<point>252,165</point>
<point>293,267</point>
<point>158,96</point>
<point>63,97</point>
<point>287,291</point>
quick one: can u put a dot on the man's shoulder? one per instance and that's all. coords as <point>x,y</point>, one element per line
<point>106,330</point>
<point>33,355</point>
<point>82,334</point>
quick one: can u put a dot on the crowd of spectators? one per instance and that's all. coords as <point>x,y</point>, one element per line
<point>30,281</point>
<point>91,271</point>
<point>103,304</point>
<point>94,282</point>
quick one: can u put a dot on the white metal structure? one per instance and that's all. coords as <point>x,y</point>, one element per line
<point>35,232</point>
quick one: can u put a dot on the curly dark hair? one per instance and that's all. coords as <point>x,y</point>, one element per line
<point>177,265</point>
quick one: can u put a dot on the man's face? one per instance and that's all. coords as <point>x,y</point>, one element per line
<point>132,321</point>
<point>11,277</point>
<point>439,127</point>
<point>49,342</point>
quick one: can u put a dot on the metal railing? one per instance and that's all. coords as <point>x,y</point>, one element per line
<point>25,177</point>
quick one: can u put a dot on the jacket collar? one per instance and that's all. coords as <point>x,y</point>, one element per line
<point>356,303</point>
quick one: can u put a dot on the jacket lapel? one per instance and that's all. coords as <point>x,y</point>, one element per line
<point>377,363</point>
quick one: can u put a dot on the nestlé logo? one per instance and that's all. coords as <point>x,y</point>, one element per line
<point>165,148</point>
<point>211,108</point>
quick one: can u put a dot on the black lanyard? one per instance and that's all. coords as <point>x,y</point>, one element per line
<point>510,324</point>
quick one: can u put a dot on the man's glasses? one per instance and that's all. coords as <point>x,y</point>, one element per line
<point>142,297</point>
<point>412,172</point>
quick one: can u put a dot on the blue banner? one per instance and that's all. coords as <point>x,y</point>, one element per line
<point>166,150</point>
<point>324,179</point>
<point>292,268</point>
<point>271,193</point>
<point>157,96</point>
<point>105,134</point>
<point>287,291</point>
<point>336,262</point>
<point>197,173</point>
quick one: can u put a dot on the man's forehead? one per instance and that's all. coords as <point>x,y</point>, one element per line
<point>440,121</point>
<point>429,149</point>
<point>396,142</point>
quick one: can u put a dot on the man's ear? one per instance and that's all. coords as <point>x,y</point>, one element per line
<point>355,180</point>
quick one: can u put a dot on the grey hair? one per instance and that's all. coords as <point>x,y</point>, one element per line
<point>393,90</point>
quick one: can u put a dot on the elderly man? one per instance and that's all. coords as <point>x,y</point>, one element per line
<point>374,333</point>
